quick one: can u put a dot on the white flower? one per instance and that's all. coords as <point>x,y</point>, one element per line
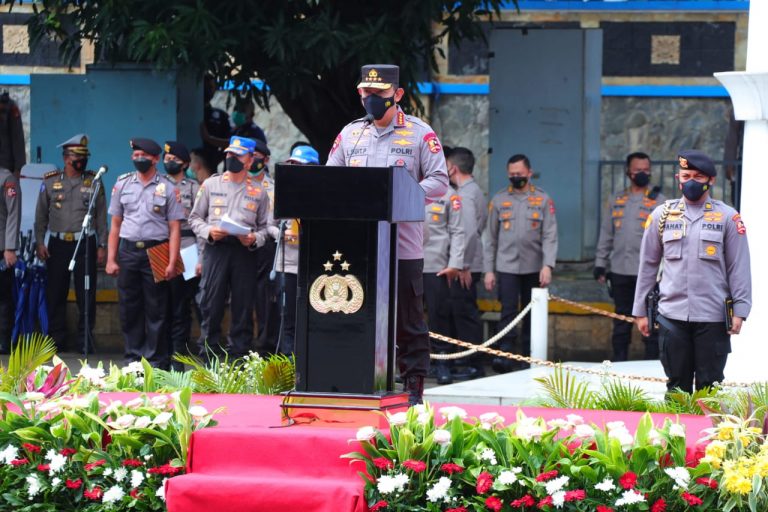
<point>108,471</point>
<point>366,434</point>
<point>159,401</point>
<point>558,499</point>
<point>120,474</point>
<point>93,375</point>
<point>606,485</point>
<point>584,431</point>
<point>34,486</point>
<point>55,482</point>
<point>575,419</point>
<point>113,494</point>
<point>528,429</point>
<point>198,411</point>
<point>122,422</point>
<point>79,402</point>
<point>34,396</point>
<point>160,492</point>
<point>556,485</point>
<point>489,455</point>
<point>398,419</point>
<point>451,412</point>
<point>134,367</point>
<point>559,423</point>
<point>139,381</point>
<point>677,430</point>
<point>162,419</point>
<point>51,406</point>
<point>441,436</point>
<point>389,484</point>
<point>423,418</point>
<point>493,418</point>
<point>137,477</point>
<point>630,497</point>
<point>57,463</point>
<point>439,491</point>
<point>508,477</point>
<point>613,425</point>
<point>8,454</point>
<point>142,422</point>
<point>113,407</point>
<point>624,437</point>
<point>136,402</point>
<point>680,475</point>
<point>420,408</point>
<point>654,437</point>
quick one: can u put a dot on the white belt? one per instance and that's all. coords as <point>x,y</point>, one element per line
<point>70,237</point>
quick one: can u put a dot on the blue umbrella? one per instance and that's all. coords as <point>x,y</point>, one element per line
<point>20,295</point>
<point>36,305</point>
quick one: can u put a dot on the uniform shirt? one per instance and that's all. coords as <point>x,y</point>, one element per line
<point>245,203</point>
<point>291,244</point>
<point>621,231</point>
<point>10,210</point>
<point>266,182</point>
<point>522,232</point>
<point>474,217</point>
<point>408,142</point>
<point>706,259</point>
<point>63,203</point>
<point>145,209</point>
<point>444,233</point>
<point>187,188</point>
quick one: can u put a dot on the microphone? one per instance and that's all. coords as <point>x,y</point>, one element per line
<point>368,119</point>
<point>102,171</point>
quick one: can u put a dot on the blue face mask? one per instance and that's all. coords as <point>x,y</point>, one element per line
<point>693,190</point>
<point>238,118</point>
<point>378,106</point>
<point>189,173</point>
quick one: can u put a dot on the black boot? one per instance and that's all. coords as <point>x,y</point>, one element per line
<point>502,364</point>
<point>414,386</point>
<point>443,373</point>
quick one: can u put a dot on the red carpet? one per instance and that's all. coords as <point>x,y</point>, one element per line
<point>246,465</point>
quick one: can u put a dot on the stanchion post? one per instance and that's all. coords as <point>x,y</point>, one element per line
<point>539,323</point>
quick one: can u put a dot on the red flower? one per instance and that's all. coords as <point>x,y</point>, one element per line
<point>546,502</point>
<point>694,456</point>
<point>691,499</point>
<point>378,506</point>
<point>659,505</point>
<point>525,501</point>
<point>573,446</point>
<point>32,448</point>
<point>135,494</point>
<point>95,464</point>
<point>165,469</point>
<point>708,482</point>
<point>451,468</point>
<point>417,466</point>
<point>549,475</point>
<point>43,467</point>
<point>74,484</point>
<point>603,508</point>
<point>132,463</point>
<point>484,482</point>
<point>493,503</point>
<point>457,509</point>
<point>383,463</point>
<point>577,495</point>
<point>94,494</point>
<point>666,460</point>
<point>628,480</point>
<point>19,462</point>
<point>68,451</point>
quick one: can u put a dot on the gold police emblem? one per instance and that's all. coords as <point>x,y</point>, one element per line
<point>336,293</point>
<point>373,74</point>
<point>683,162</point>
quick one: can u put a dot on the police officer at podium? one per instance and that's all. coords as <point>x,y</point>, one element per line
<point>386,136</point>
<point>61,207</point>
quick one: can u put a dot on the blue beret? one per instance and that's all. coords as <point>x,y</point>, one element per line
<point>146,145</point>
<point>695,160</point>
<point>177,149</point>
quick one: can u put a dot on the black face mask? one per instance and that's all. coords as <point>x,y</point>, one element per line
<point>257,166</point>
<point>142,164</point>
<point>378,106</point>
<point>232,164</point>
<point>79,164</point>
<point>518,182</point>
<point>172,167</point>
<point>641,179</point>
<point>693,190</point>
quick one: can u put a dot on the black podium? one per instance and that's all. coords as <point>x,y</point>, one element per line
<point>347,286</point>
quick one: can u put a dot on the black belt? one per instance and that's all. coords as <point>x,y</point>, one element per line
<point>187,232</point>
<point>141,244</point>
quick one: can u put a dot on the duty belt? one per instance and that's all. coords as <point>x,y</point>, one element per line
<point>187,232</point>
<point>141,244</point>
<point>70,237</point>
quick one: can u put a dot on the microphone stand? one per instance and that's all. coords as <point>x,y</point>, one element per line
<point>281,251</point>
<point>85,233</point>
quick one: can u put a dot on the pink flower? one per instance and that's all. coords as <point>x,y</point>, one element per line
<point>577,495</point>
<point>603,508</point>
<point>484,482</point>
<point>132,463</point>
<point>457,509</point>
<point>659,505</point>
<point>549,475</point>
<point>74,484</point>
<point>628,480</point>
<point>378,506</point>
<point>493,503</point>
<point>19,462</point>
<point>417,466</point>
<point>94,494</point>
<point>43,467</point>
<point>708,482</point>
<point>383,463</point>
<point>546,502</point>
<point>68,451</point>
<point>525,501</point>
<point>692,499</point>
<point>92,465</point>
<point>31,448</point>
<point>451,468</point>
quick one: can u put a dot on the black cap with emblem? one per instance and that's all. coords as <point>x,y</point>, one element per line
<point>177,149</point>
<point>379,76</point>
<point>695,160</point>
<point>146,145</point>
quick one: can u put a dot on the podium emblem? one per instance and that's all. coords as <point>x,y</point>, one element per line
<point>336,293</point>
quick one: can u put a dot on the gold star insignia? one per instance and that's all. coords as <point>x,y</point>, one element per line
<point>403,142</point>
<point>327,266</point>
<point>336,256</point>
<point>345,266</point>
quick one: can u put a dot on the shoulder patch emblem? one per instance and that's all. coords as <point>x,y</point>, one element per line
<point>433,143</point>
<point>740,227</point>
<point>551,207</point>
<point>336,143</point>
<point>456,202</point>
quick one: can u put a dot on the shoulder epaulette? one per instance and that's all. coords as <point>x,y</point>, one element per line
<point>123,176</point>
<point>51,174</point>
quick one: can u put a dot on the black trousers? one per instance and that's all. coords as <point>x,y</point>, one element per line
<point>623,291</point>
<point>288,324</point>
<point>437,300</point>
<point>514,292</point>
<point>143,308</point>
<point>265,299</point>
<point>229,271</point>
<point>465,317</point>
<point>411,332</point>
<point>60,253</point>
<point>180,297</point>
<point>693,350</point>
<point>7,307</point>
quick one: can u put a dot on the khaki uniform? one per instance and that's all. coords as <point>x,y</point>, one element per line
<point>229,268</point>
<point>474,219</point>
<point>10,217</point>
<point>705,258</point>
<point>61,207</point>
<point>187,188</point>
<point>443,222</point>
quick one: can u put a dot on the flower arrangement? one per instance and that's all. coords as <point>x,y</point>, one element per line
<point>481,464</point>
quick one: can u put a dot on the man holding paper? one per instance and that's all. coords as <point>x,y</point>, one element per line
<point>231,213</point>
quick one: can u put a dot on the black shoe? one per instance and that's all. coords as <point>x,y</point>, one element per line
<point>503,365</point>
<point>443,373</point>
<point>468,373</point>
<point>414,386</point>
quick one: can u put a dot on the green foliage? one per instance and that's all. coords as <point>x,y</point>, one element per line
<point>565,391</point>
<point>252,374</point>
<point>29,352</point>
